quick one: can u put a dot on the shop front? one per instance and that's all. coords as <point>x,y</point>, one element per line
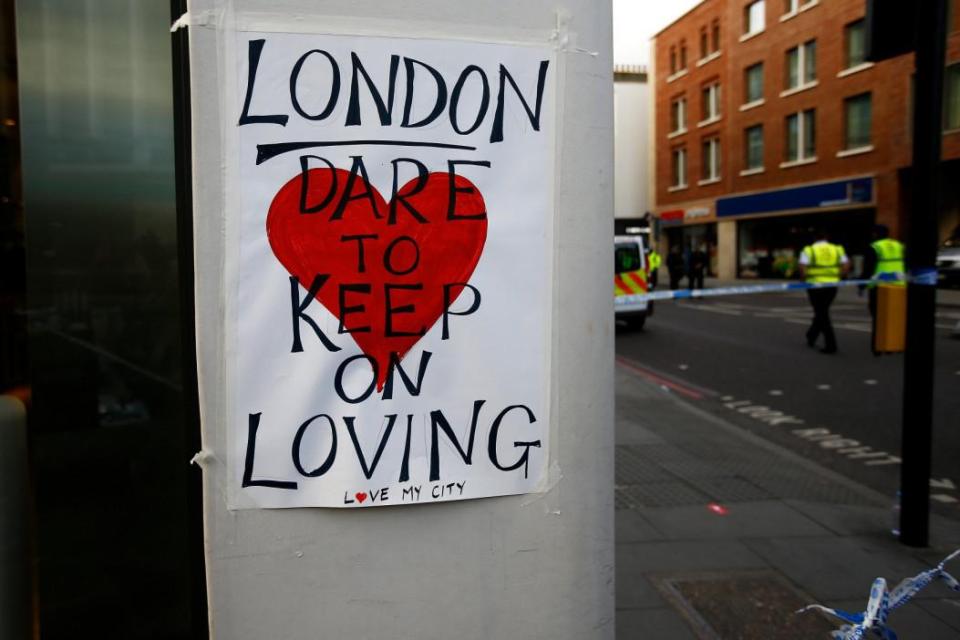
<point>691,229</point>
<point>773,227</point>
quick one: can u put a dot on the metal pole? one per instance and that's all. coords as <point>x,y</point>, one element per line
<point>921,290</point>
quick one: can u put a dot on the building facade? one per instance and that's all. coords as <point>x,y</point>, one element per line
<point>770,122</point>
<point>631,125</point>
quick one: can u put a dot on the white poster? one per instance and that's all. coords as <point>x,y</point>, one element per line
<point>389,230</point>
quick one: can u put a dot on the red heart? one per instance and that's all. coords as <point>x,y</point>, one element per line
<point>360,497</point>
<point>450,240</point>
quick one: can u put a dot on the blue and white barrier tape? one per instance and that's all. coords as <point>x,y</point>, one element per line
<point>883,601</point>
<point>679,294</point>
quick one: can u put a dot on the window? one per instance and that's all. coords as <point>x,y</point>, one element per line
<point>801,136</point>
<point>951,90</point>
<point>710,105</point>
<point>791,7</point>
<point>626,257</point>
<point>801,65</point>
<point>857,117</point>
<point>673,60</point>
<point>710,164</point>
<point>753,83</point>
<point>854,36</point>
<point>715,36</point>
<point>683,55</point>
<point>754,17</point>
<point>753,147</point>
<point>678,167</point>
<point>678,115</point>
<point>704,43</point>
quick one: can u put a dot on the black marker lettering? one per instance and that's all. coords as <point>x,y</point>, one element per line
<point>298,440</point>
<point>334,86</point>
<point>496,133</point>
<point>439,423</point>
<point>297,311</point>
<point>254,49</point>
<point>438,105</point>
<point>253,423</point>
<point>448,299</point>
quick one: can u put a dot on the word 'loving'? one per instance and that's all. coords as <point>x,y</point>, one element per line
<point>439,428</point>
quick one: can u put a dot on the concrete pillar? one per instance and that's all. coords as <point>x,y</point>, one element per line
<point>726,249</point>
<point>526,566</point>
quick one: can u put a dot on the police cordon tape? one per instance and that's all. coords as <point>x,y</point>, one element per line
<point>882,601</point>
<point>925,277</point>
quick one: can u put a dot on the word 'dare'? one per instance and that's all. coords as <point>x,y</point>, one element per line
<point>448,95</point>
<point>323,461</point>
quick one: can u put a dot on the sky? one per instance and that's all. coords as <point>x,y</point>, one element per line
<point>635,22</point>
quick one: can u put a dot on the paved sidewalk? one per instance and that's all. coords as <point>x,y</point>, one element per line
<point>721,534</point>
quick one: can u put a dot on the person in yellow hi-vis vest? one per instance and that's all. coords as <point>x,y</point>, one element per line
<point>822,263</point>
<point>885,263</point>
<point>653,265</point>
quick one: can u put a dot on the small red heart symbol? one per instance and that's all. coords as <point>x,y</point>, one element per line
<point>429,236</point>
<point>361,496</point>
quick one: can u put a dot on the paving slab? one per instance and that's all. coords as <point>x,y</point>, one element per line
<point>745,519</point>
<point>670,556</point>
<point>652,624</point>
<point>833,568</point>
<point>947,610</point>
<point>845,519</point>
<point>636,591</point>
<point>632,526</point>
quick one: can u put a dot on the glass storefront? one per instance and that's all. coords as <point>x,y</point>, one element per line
<point>114,531</point>
<point>770,247</point>
<point>696,236</point>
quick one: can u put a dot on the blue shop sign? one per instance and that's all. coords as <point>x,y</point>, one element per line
<point>815,196</point>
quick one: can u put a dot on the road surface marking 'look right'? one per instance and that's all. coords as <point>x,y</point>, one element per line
<point>848,447</point>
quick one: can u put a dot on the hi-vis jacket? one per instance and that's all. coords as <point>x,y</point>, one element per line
<point>889,260</point>
<point>826,261</point>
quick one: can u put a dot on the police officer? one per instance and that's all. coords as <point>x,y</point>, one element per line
<point>884,263</point>
<point>822,263</point>
<point>653,264</point>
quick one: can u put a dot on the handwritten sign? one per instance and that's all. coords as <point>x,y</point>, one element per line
<point>389,229</point>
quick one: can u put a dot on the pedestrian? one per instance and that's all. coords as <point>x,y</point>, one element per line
<point>653,266</point>
<point>884,262</point>
<point>822,263</point>
<point>698,267</point>
<point>675,266</point>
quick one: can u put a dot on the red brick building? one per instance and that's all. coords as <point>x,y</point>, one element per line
<point>768,122</point>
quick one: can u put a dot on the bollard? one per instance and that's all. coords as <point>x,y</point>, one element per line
<point>14,581</point>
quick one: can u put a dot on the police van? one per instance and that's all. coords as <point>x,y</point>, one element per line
<point>630,281</point>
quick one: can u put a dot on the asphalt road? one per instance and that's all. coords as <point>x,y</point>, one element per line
<point>745,358</point>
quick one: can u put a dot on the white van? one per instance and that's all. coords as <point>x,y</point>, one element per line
<point>630,281</point>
